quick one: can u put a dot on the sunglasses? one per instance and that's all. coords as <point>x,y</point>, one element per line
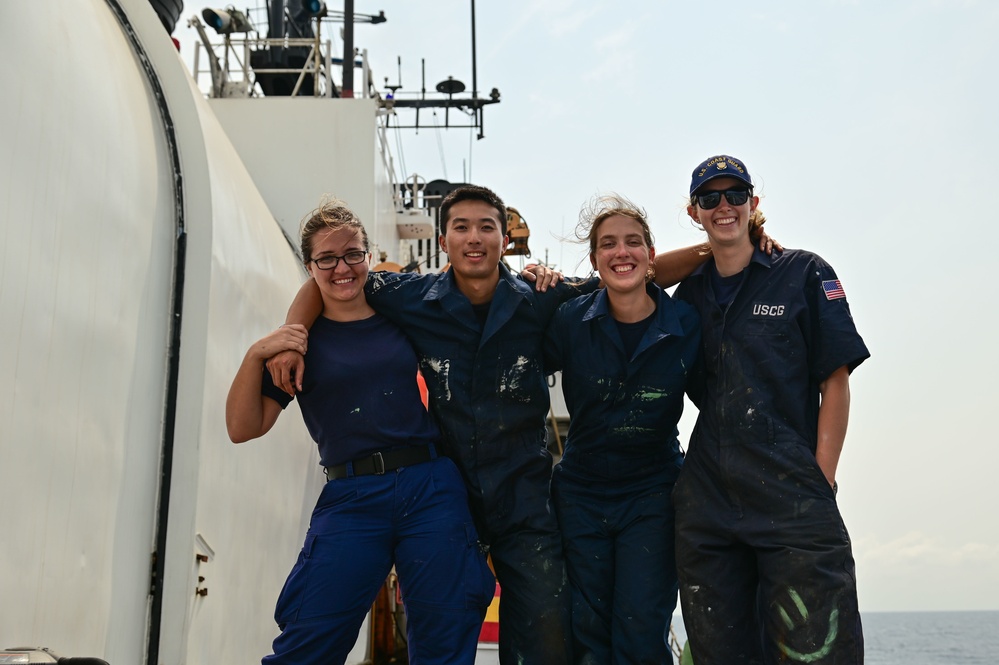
<point>735,197</point>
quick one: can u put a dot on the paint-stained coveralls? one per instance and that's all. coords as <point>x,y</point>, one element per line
<point>489,394</point>
<point>612,487</point>
<point>761,546</point>
<point>390,500</point>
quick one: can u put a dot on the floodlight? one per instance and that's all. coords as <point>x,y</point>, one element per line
<point>226,21</point>
<point>314,8</point>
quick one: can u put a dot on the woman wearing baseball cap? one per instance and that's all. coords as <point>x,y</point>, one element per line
<point>764,560</point>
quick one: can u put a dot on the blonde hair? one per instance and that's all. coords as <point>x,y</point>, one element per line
<point>332,215</point>
<point>756,222</point>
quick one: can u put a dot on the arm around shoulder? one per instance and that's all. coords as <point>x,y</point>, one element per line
<point>307,306</point>
<point>674,266</point>
<point>248,413</point>
<point>287,367</point>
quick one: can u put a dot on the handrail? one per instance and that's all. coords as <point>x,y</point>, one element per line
<point>232,74</point>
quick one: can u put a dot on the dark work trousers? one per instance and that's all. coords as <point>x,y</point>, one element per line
<point>764,559</point>
<point>622,571</point>
<point>519,523</point>
<point>415,517</point>
<point>533,627</point>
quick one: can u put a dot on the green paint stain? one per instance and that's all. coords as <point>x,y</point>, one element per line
<point>786,618</point>
<point>823,651</point>
<point>799,603</point>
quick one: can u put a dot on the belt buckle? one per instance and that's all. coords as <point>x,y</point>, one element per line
<point>379,463</point>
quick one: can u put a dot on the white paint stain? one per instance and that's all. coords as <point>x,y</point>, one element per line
<point>512,376</point>
<point>377,280</point>
<point>441,367</point>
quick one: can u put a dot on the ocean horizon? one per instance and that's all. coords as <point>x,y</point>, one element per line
<point>960,637</point>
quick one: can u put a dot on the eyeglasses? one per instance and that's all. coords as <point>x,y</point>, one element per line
<point>709,200</point>
<point>330,261</point>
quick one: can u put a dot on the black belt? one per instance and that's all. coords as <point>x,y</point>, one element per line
<point>380,462</point>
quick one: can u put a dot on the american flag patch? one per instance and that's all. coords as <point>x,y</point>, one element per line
<point>833,289</point>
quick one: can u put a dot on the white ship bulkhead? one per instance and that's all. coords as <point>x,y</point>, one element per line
<point>116,180</point>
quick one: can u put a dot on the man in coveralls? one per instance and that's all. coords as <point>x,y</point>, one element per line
<point>478,330</point>
<point>764,559</point>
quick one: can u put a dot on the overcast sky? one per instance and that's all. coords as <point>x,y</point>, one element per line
<point>870,130</point>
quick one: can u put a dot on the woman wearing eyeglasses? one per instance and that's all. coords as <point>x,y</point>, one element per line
<point>390,499</point>
<point>764,559</point>
<point>626,353</point>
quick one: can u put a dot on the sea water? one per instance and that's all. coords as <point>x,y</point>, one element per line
<point>923,638</point>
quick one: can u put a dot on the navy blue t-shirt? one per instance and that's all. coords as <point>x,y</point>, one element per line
<point>359,393</point>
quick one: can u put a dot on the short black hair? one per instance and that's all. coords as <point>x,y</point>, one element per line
<point>472,193</point>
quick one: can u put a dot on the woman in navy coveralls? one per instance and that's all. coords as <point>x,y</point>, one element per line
<point>389,499</point>
<point>765,563</point>
<point>625,353</point>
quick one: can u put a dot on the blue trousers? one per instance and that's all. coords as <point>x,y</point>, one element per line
<point>416,518</point>
<point>766,569</point>
<point>622,570</point>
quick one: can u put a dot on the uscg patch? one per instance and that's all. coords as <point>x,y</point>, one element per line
<point>833,289</point>
<point>769,311</point>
